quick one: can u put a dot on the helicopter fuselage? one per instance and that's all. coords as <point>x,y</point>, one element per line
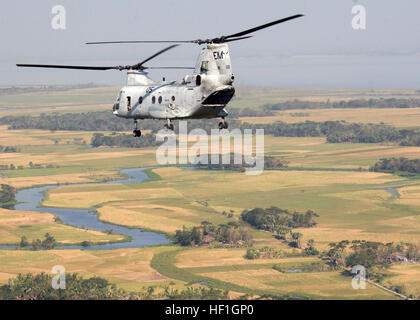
<point>204,94</point>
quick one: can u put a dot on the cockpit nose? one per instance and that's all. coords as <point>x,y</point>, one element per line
<point>116,107</point>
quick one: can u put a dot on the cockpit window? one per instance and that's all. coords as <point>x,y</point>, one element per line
<point>204,66</point>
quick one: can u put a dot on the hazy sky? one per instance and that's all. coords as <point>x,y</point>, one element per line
<point>320,50</point>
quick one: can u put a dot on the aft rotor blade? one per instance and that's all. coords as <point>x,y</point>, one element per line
<point>234,39</point>
<point>55,66</point>
<point>240,34</point>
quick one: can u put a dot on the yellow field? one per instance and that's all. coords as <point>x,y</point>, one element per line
<point>323,285</point>
<point>407,276</point>
<point>15,224</point>
<point>27,181</point>
<point>204,257</point>
<point>410,195</point>
<point>397,117</point>
<point>229,265</point>
<point>129,268</point>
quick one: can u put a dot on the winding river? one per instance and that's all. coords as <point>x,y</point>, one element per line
<point>30,200</point>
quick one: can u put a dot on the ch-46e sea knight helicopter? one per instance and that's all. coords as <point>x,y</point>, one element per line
<point>203,94</point>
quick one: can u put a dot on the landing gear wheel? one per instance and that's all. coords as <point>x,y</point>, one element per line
<point>223,125</point>
<point>169,125</point>
<point>136,131</point>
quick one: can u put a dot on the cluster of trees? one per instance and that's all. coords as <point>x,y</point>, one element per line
<point>10,167</point>
<point>124,140</point>
<point>231,234</point>
<point>39,287</point>
<point>372,255</point>
<point>270,253</point>
<point>269,163</point>
<point>355,103</point>
<point>410,137</point>
<point>90,121</point>
<point>40,166</point>
<point>336,131</point>
<point>318,266</point>
<point>263,253</point>
<point>7,196</point>
<point>47,243</point>
<point>274,163</point>
<point>9,149</point>
<point>310,249</point>
<point>250,112</point>
<point>397,164</point>
<point>31,166</point>
<point>278,220</point>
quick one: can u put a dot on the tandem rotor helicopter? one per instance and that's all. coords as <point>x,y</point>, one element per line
<point>203,94</point>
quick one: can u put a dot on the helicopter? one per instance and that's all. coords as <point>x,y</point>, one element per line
<point>200,95</point>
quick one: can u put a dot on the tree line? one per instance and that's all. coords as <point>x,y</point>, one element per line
<point>124,140</point>
<point>269,163</point>
<point>39,287</point>
<point>334,131</point>
<point>397,164</point>
<point>96,121</point>
<point>9,149</point>
<point>341,132</point>
<point>351,104</point>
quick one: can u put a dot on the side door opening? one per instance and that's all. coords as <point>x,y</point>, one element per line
<point>128,103</point>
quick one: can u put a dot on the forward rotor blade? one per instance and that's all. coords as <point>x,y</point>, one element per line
<point>240,34</point>
<point>55,66</point>
<point>192,68</point>
<point>146,41</point>
<point>155,55</point>
<point>138,66</point>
